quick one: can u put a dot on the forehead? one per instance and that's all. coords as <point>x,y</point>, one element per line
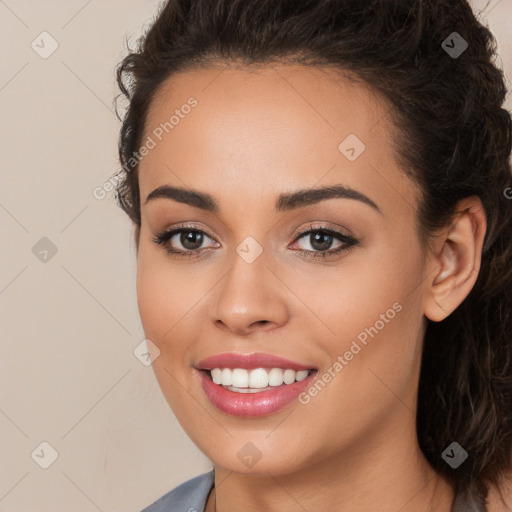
<point>276,127</point>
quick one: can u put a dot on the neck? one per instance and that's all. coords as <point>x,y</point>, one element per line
<point>388,474</point>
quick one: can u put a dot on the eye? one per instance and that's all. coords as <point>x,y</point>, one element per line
<point>313,242</point>
<point>318,241</point>
<point>184,241</point>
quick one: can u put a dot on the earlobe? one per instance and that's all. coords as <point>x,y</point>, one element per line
<point>458,261</point>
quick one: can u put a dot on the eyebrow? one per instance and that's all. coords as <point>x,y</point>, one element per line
<point>285,202</point>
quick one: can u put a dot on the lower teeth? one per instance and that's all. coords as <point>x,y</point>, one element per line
<point>248,390</point>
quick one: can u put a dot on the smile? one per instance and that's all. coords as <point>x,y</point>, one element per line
<point>252,385</point>
<point>253,381</point>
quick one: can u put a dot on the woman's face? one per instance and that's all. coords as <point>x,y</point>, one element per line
<point>256,284</point>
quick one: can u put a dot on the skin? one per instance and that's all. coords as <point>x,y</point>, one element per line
<point>256,134</point>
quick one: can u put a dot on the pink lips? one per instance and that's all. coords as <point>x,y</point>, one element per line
<point>249,361</point>
<point>251,404</point>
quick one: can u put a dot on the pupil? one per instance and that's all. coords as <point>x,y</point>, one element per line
<point>189,238</point>
<point>321,241</point>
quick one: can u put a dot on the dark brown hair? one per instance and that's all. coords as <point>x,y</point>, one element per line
<point>456,142</point>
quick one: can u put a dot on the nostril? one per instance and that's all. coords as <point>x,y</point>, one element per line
<point>261,322</point>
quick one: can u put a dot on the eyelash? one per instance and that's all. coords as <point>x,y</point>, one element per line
<point>163,238</point>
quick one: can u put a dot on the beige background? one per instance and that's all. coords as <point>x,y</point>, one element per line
<point>70,325</point>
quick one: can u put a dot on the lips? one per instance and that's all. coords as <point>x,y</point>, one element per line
<point>247,401</point>
<point>249,361</point>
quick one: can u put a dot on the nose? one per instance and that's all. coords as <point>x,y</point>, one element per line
<point>251,298</point>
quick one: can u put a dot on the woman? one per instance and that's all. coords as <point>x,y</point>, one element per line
<point>320,192</point>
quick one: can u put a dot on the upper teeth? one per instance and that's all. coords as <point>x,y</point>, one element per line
<point>257,378</point>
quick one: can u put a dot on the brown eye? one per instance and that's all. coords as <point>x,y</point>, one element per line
<point>318,242</point>
<point>191,240</point>
<point>184,241</point>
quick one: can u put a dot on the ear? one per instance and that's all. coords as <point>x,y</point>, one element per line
<point>455,260</point>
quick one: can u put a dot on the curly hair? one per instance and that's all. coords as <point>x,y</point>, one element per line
<point>456,142</point>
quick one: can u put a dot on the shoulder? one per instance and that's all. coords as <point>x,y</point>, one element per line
<point>190,496</point>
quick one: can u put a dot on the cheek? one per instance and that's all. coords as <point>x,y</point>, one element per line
<point>372,360</point>
<point>163,305</point>
<point>170,308</point>
<point>342,301</point>
<point>374,300</point>
<point>375,310</point>
<point>161,297</point>
<point>150,286</point>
